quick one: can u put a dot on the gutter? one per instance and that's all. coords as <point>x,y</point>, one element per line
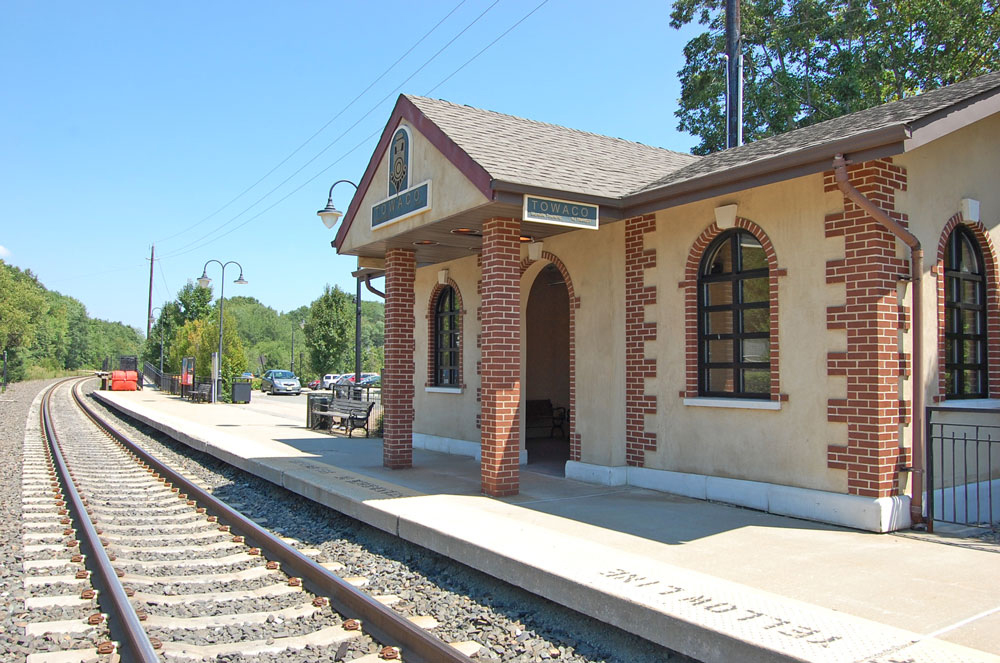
<point>916,276</point>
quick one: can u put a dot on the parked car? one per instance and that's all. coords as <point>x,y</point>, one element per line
<point>280,382</point>
<point>370,380</point>
<point>314,385</point>
<point>330,379</point>
<point>348,378</point>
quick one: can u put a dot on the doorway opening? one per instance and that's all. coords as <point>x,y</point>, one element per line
<point>547,364</point>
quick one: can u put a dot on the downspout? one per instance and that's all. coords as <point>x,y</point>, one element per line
<point>916,275</point>
<point>371,288</point>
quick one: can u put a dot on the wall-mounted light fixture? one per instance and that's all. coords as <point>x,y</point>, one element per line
<point>330,214</point>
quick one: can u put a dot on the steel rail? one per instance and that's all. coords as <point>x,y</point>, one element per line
<point>380,622</point>
<point>123,622</point>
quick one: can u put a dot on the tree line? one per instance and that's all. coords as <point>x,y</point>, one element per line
<point>806,61</point>
<point>257,338</point>
<point>46,333</point>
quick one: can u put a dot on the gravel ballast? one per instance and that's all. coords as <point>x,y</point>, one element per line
<point>508,623</point>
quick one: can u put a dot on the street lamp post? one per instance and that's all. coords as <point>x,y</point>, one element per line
<point>330,215</point>
<point>204,282</point>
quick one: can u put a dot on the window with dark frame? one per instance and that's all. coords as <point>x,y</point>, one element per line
<point>964,317</point>
<point>447,341</point>
<point>734,318</point>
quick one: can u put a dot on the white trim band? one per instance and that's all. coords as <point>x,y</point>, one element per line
<point>737,403</point>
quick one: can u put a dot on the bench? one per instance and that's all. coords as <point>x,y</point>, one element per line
<point>201,394</point>
<point>351,414</point>
<point>540,415</point>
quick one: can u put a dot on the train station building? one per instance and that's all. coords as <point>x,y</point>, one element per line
<point>763,326</point>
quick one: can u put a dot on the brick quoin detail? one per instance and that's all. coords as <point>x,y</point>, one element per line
<point>398,372</point>
<point>501,357</point>
<point>992,285</point>
<point>690,286</point>
<point>431,349</point>
<point>575,443</point>
<point>638,367</point>
<point>871,317</point>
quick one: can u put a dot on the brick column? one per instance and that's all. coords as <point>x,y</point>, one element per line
<point>872,319</point>
<point>638,331</point>
<point>398,373</point>
<point>501,357</point>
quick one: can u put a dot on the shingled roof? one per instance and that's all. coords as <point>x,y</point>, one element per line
<point>520,151</point>
<point>899,113</point>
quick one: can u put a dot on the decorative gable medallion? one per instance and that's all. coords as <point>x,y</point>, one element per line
<point>404,201</point>
<point>399,161</point>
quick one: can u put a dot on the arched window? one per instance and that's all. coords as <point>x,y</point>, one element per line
<point>734,319</point>
<point>447,339</point>
<point>965,317</point>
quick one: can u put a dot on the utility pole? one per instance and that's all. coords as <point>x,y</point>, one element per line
<point>734,75</point>
<point>149,312</point>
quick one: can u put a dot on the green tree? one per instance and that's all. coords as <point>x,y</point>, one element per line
<point>169,320</point>
<point>200,338</point>
<point>329,331</point>
<point>194,302</point>
<point>806,61</point>
<point>22,305</point>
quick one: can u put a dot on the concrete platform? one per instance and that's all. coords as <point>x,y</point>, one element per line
<point>715,582</point>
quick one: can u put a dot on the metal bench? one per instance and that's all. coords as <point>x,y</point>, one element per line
<point>350,414</point>
<point>540,415</point>
<point>201,394</point>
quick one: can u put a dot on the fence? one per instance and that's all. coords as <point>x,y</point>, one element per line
<point>963,466</point>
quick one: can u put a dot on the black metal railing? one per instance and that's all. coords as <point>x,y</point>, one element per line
<point>153,374</point>
<point>963,466</point>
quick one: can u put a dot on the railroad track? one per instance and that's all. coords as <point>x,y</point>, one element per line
<point>127,558</point>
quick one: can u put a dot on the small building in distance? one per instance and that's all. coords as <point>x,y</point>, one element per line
<point>742,327</point>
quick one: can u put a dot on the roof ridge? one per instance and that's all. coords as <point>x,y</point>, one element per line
<point>552,125</point>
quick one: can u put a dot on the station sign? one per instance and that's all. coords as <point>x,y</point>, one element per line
<point>402,205</point>
<point>560,212</point>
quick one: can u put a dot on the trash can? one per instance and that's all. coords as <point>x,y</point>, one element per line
<point>314,401</point>
<point>241,391</point>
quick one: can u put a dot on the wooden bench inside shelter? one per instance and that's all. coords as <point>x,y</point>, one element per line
<point>541,415</point>
<point>349,414</point>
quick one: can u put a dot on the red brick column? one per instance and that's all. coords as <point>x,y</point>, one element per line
<point>638,367</point>
<point>872,318</point>
<point>501,357</point>
<point>398,373</point>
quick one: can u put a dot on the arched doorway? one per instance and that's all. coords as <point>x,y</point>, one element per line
<point>547,372</point>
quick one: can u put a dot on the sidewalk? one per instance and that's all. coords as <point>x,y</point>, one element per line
<point>715,582</point>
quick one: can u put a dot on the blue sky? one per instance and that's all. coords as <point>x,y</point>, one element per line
<point>127,124</point>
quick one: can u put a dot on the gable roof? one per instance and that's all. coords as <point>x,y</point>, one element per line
<point>503,154</point>
<point>515,150</point>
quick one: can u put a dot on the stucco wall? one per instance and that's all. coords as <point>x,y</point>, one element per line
<point>451,414</point>
<point>786,446</point>
<point>451,193</point>
<point>963,164</point>
<point>594,260</point>
<point>546,340</point>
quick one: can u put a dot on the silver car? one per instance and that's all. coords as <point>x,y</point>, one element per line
<point>280,382</point>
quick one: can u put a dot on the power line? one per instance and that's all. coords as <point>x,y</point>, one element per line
<point>322,128</point>
<point>195,244</point>
<point>485,48</point>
